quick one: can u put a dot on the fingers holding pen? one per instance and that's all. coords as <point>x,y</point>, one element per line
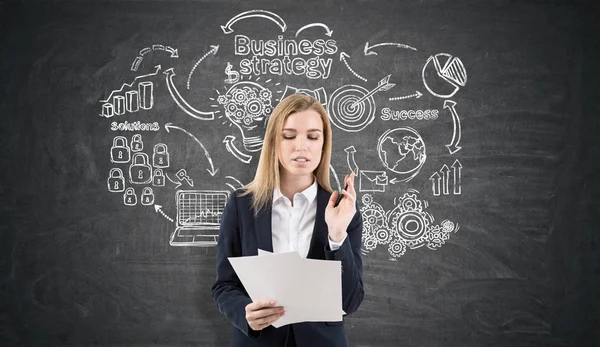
<point>349,192</point>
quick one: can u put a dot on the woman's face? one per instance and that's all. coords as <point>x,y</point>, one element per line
<point>301,144</point>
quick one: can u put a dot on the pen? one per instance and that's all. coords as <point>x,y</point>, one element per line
<point>340,196</point>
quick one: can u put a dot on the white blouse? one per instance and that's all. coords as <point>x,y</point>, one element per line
<point>292,226</point>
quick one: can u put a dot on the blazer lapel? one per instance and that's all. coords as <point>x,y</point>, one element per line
<point>262,228</point>
<point>320,231</point>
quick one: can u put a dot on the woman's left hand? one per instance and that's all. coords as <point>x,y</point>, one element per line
<point>338,218</point>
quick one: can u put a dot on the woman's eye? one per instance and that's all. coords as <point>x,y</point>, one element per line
<point>313,138</point>
<point>288,137</point>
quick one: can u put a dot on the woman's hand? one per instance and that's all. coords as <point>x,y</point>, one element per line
<point>338,218</point>
<point>261,314</point>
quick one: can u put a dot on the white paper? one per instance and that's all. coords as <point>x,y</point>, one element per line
<point>309,290</point>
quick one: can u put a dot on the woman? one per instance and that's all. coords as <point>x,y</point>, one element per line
<point>289,207</point>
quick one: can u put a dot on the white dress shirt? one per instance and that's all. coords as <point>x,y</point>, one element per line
<point>292,225</point>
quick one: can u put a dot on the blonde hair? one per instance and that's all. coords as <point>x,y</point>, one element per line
<point>267,177</point>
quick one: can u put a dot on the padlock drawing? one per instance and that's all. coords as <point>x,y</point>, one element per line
<point>119,152</point>
<point>140,172</point>
<point>116,181</point>
<point>158,180</point>
<point>129,198</point>
<point>160,158</point>
<point>147,196</point>
<point>136,143</point>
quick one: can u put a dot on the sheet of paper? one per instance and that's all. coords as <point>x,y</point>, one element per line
<point>259,274</point>
<point>309,290</point>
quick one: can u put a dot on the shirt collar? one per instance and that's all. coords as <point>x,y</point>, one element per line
<point>309,193</point>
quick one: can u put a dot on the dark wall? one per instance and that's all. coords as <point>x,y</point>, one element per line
<point>477,163</point>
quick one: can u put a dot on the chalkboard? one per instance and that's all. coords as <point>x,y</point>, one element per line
<point>471,127</point>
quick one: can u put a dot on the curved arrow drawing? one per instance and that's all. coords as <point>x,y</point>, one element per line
<point>230,186</point>
<point>212,170</point>
<point>231,148</point>
<point>351,160</point>
<point>158,208</point>
<point>177,184</point>
<point>174,51</point>
<point>343,57</point>
<point>187,108</point>
<point>453,146</point>
<point>417,95</point>
<point>138,60</point>
<point>129,85</point>
<point>213,50</point>
<point>369,50</point>
<point>254,13</point>
<point>328,31</point>
<point>235,179</point>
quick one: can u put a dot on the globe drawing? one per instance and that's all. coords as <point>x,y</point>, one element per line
<point>402,151</point>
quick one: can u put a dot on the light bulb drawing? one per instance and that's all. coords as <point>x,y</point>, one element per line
<point>248,105</point>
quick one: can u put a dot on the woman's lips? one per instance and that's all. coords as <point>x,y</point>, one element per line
<point>300,160</point>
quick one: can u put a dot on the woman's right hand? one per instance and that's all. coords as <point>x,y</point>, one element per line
<point>261,314</point>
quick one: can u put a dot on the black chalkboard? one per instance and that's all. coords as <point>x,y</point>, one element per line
<point>472,127</point>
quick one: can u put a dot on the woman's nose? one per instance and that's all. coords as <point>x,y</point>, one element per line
<point>300,143</point>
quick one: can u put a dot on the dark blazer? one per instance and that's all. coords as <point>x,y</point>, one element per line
<point>241,234</point>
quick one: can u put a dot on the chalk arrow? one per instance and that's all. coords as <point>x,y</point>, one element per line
<point>435,183</point>
<point>415,95</point>
<point>138,60</point>
<point>174,52</point>
<point>328,31</point>
<point>254,13</point>
<point>180,101</point>
<point>212,170</point>
<point>369,49</point>
<point>382,86</point>
<point>177,184</point>
<point>236,180</point>
<point>445,179</point>
<point>158,208</point>
<point>129,85</point>
<point>231,148</point>
<point>457,167</point>
<point>394,181</point>
<point>213,50</point>
<point>343,57</point>
<point>351,160</point>
<point>453,146</point>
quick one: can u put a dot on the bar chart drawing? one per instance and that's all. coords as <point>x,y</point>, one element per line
<point>131,97</point>
<point>132,101</point>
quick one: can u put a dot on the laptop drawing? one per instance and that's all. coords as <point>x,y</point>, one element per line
<point>198,217</point>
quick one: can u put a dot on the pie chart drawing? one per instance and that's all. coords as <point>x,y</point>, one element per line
<point>443,75</point>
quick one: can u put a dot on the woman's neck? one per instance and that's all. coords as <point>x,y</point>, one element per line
<point>291,185</point>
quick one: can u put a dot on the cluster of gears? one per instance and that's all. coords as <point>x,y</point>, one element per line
<point>405,226</point>
<point>246,102</point>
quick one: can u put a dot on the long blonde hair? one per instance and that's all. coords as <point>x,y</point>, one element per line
<point>267,177</point>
